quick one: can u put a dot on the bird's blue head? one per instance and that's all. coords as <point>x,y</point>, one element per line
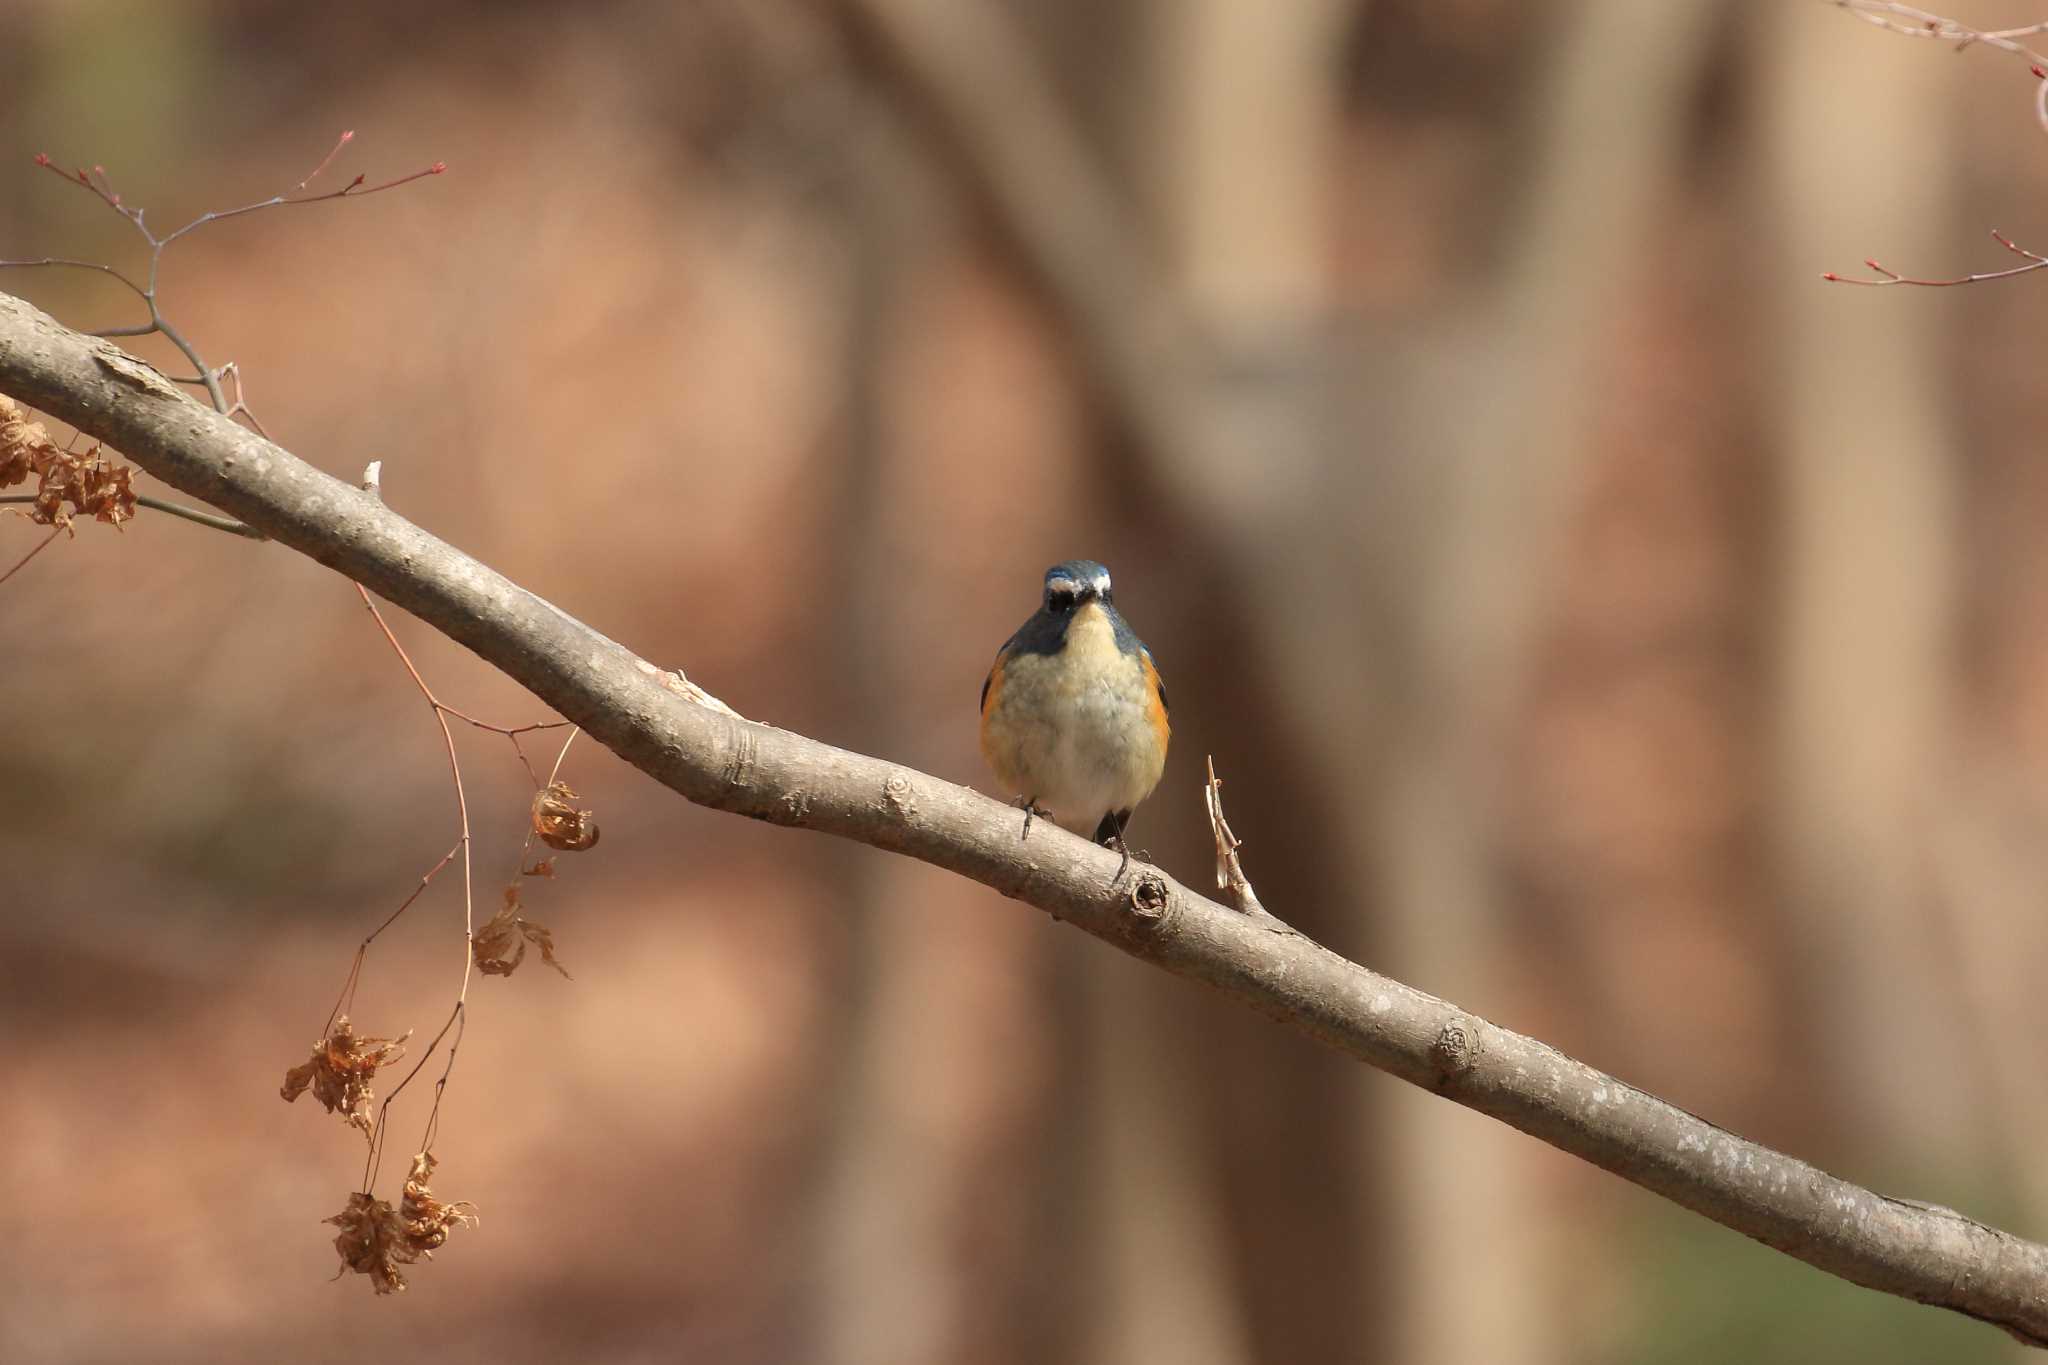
<point>1069,585</point>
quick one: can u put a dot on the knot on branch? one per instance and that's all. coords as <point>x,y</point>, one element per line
<point>896,795</point>
<point>1455,1049</point>
<point>1148,899</point>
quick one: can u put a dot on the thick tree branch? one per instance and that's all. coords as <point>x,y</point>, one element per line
<point>716,759</point>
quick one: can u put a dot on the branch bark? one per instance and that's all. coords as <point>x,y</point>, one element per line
<point>1930,1254</point>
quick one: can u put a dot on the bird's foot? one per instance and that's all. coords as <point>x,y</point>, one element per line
<point>1031,808</point>
<point>1125,856</point>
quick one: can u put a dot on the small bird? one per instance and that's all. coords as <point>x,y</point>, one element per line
<point>1073,715</point>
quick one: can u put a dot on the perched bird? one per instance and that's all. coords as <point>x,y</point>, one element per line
<point>1073,715</point>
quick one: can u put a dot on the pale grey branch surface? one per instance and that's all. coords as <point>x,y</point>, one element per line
<point>1930,1254</point>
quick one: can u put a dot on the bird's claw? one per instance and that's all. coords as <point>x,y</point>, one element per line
<point>1125,856</point>
<point>1031,808</point>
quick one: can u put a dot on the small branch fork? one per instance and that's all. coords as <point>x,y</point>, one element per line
<point>458,1015</point>
<point>97,183</point>
<point>1912,22</point>
<point>1888,276</point>
<point>373,484</point>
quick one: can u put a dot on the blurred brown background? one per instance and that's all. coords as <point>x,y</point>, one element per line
<point>1598,620</point>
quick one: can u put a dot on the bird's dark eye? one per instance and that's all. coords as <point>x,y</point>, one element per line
<point>1059,599</point>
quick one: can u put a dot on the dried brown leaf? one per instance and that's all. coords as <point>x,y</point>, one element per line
<point>372,1241</point>
<point>340,1071</point>
<point>375,1239</point>
<point>48,508</point>
<point>544,868</point>
<point>24,445</point>
<point>426,1218</point>
<point>106,492</point>
<point>93,486</point>
<point>500,946</point>
<point>559,823</point>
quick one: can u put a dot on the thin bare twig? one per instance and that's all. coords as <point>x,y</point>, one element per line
<point>37,549</point>
<point>345,1002</point>
<point>1229,871</point>
<point>441,714</point>
<point>45,261</point>
<point>175,509</point>
<point>1913,22</point>
<point>100,185</point>
<point>1888,276</point>
<point>374,1161</point>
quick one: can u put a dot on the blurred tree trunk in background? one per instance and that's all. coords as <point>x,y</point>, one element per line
<point>1499,462</point>
<point>1227,121</point>
<point>1866,633</point>
<point>940,1154</point>
<point>885,1286</point>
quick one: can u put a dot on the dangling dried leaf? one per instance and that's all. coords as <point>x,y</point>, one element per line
<point>48,508</point>
<point>375,1239</point>
<point>24,445</point>
<point>106,492</point>
<point>500,946</point>
<point>340,1071</point>
<point>544,868</point>
<point>559,823</point>
<point>372,1241</point>
<point>426,1218</point>
<point>90,484</point>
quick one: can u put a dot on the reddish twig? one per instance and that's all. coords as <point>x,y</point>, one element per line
<point>375,1160</point>
<point>1888,276</point>
<point>468,898</point>
<point>442,711</point>
<point>345,1002</point>
<point>40,546</point>
<point>441,714</point>
<point>100,185</point>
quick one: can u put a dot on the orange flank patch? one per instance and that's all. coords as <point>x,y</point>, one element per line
<point>1155,706</point>
<point>994,750</point>
<point>992,688</point>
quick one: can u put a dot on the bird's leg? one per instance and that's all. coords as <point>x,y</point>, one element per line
<point>1110,834</point>
<point>1031,808</point>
